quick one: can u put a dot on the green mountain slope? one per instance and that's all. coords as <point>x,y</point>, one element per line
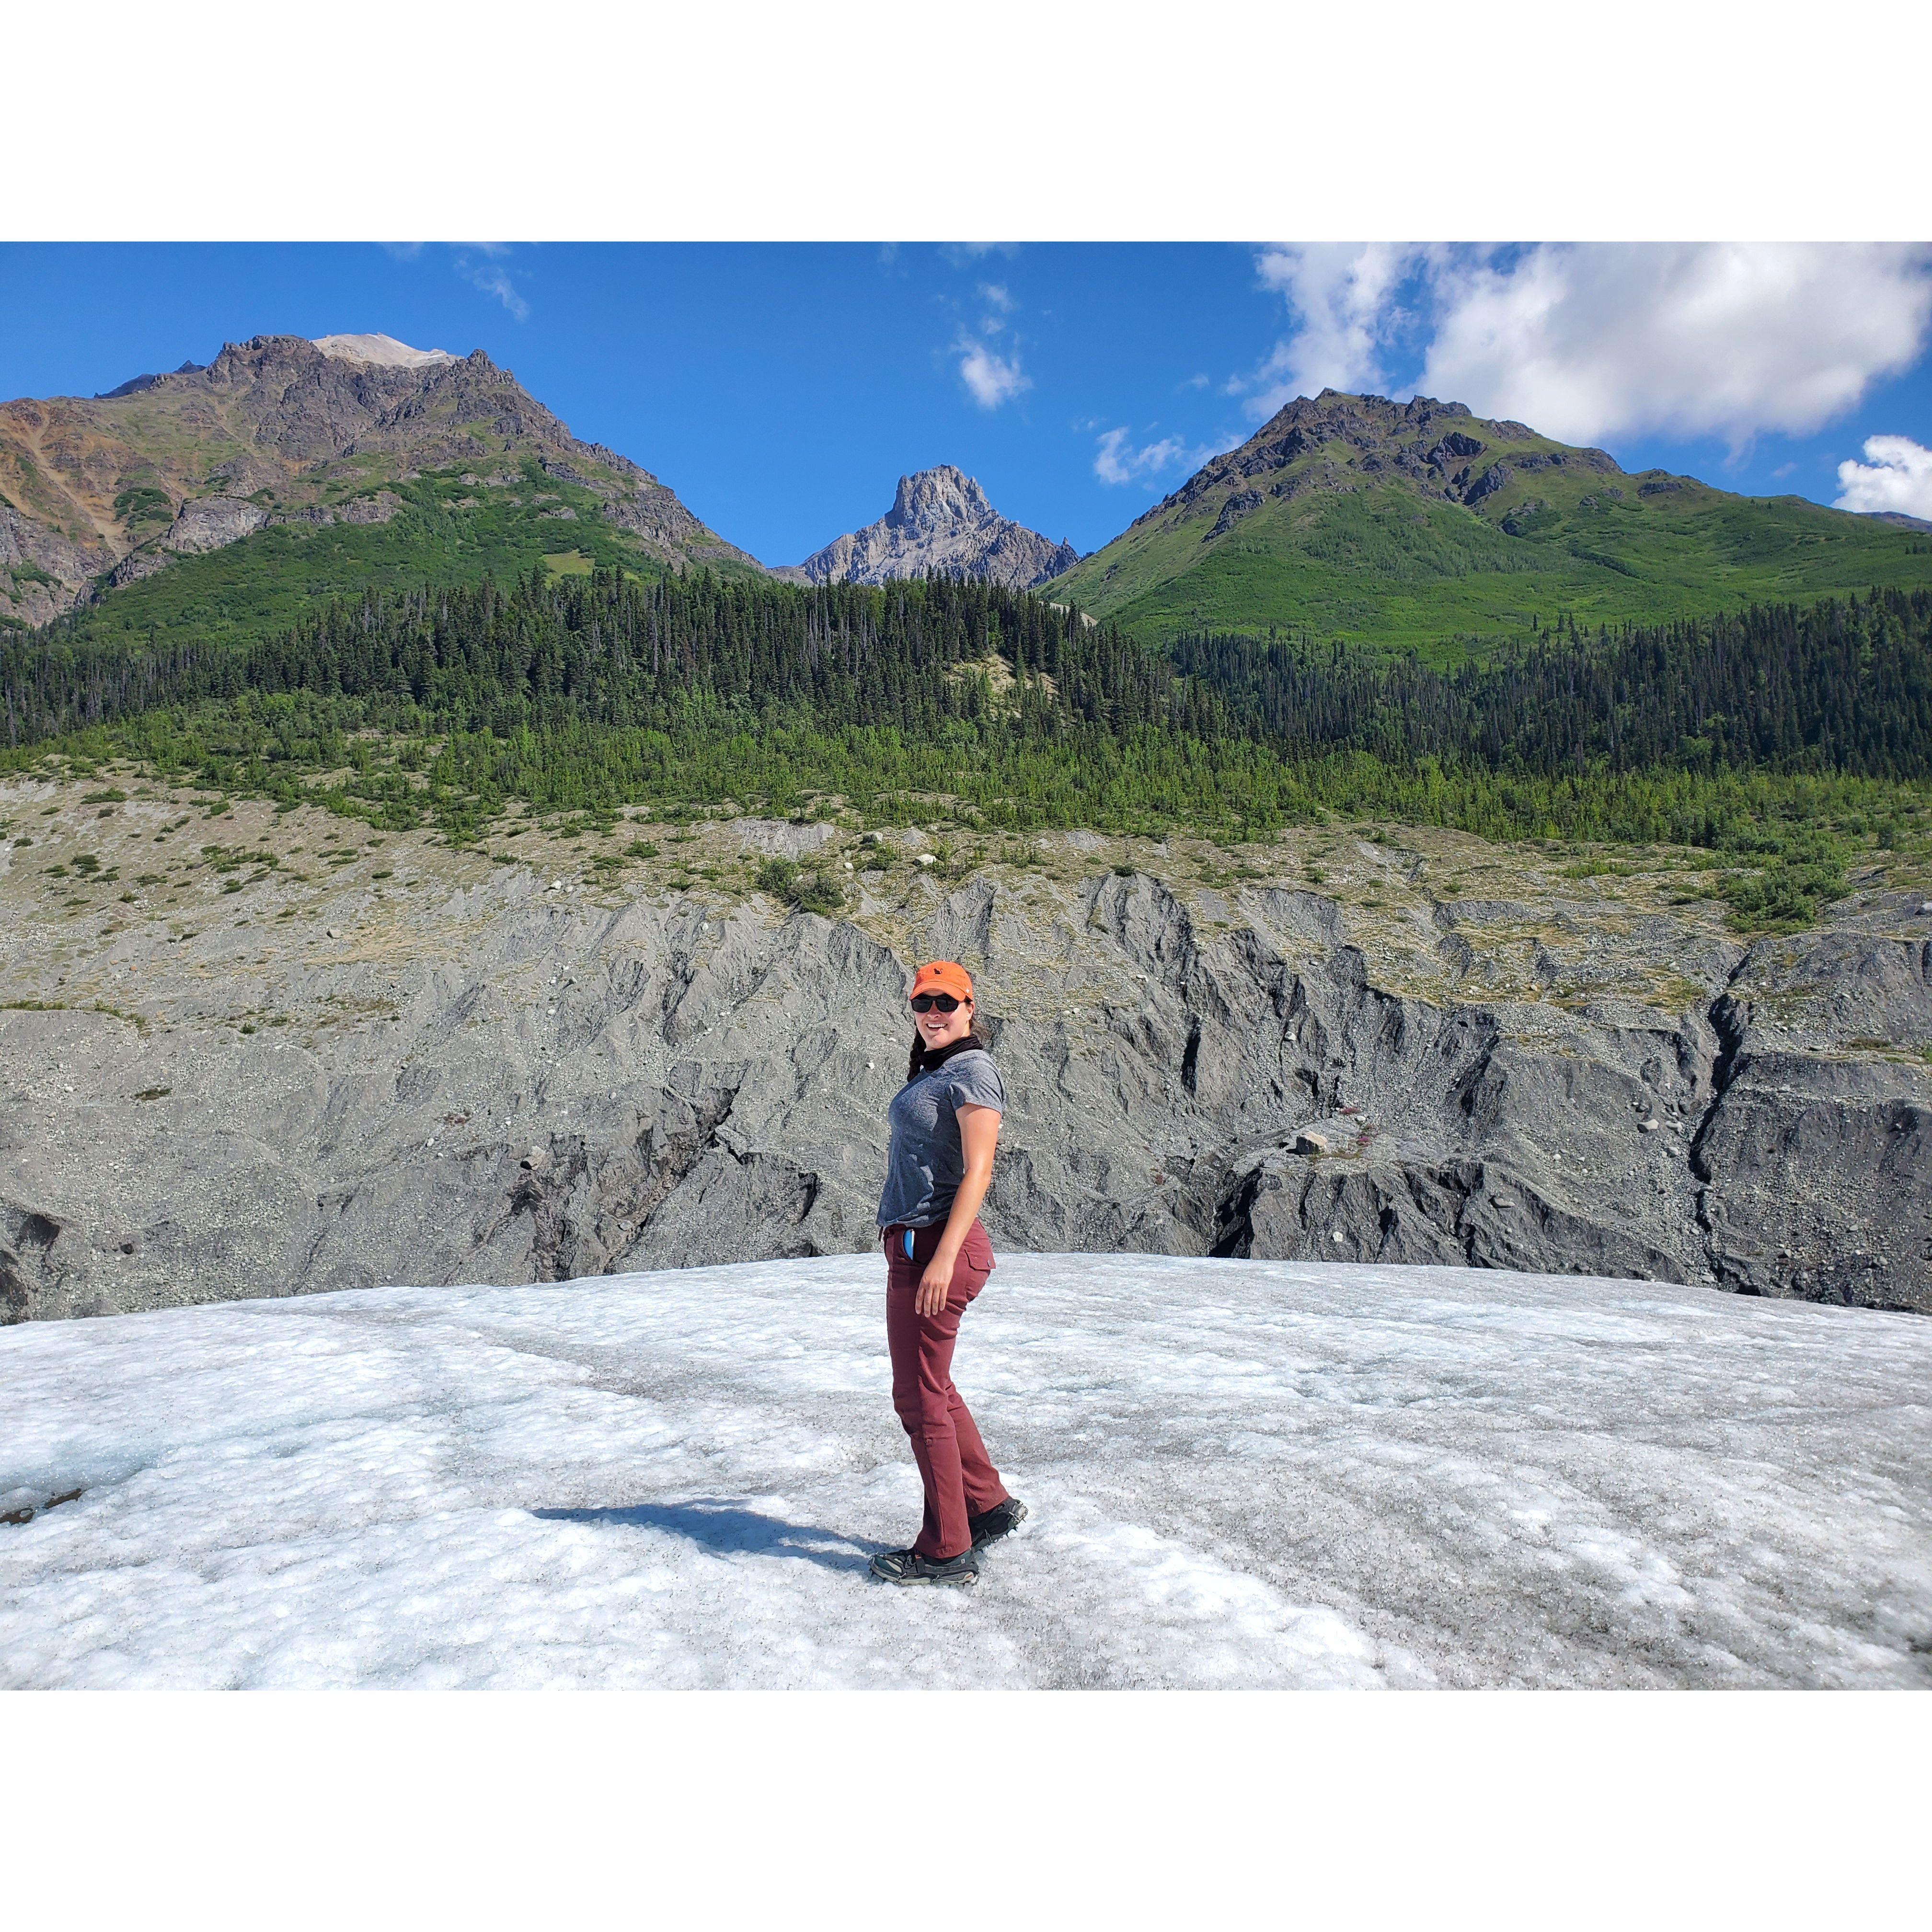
<point>1417,525</point>
<point>443,532</point>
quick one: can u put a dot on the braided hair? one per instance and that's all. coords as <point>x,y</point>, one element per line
<point>921,1059</point>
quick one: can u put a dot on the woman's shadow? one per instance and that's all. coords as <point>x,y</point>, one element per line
<point>725,1528</point>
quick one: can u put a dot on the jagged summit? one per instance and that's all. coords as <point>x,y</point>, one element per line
<point>939,498</point>
<point>384,351</point>
<point>941,520</point>
<point>135,385</point>
<point>1431,445</point>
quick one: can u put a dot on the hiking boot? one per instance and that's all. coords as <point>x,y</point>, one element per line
<point>1002,1519</point>
<point>908,1566</point>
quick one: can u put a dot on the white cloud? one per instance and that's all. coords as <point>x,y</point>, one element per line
<point>959,253</point>
<point>1115,463</point>
<point>992,379</point>
<point>1344,297</point>
<point>1690,339</point>
<point>496,282</point>
<point>492,277</point>
<point>1116,460</point>
<point>1593,341</point>
<point>1896,475</point>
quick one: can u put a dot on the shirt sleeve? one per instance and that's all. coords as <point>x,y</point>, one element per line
<point>976,1081</point>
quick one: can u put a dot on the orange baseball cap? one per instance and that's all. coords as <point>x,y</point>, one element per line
<point>943,976</point>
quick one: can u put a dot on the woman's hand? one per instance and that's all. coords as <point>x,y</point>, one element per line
<point>936,1284</point>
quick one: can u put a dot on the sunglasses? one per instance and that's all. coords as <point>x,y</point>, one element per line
<point>924,1003</point>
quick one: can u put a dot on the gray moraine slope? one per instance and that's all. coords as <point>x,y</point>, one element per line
<point>246,1054</point>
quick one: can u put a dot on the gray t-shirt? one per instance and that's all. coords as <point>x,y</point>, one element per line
<point>925,1164</point>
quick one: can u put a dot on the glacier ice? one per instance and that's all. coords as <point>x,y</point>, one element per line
<point>1242,1473</point>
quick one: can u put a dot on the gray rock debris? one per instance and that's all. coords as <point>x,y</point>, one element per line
<point>521,1086</point>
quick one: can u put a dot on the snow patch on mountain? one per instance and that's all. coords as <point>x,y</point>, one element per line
<point>383,350</point>
<point>1241,1473</point>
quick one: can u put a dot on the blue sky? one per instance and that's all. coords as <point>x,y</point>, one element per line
<point>782,389</point>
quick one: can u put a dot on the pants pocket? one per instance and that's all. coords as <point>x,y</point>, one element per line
<point>974,1264</point>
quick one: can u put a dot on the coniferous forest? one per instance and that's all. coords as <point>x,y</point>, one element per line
<point>1764,730</point>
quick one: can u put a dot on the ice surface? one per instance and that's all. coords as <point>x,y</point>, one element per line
<point>1241,1473</point>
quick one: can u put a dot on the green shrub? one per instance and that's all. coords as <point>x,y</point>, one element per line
<point>779,878</point>
<point>820,892</point>
<point>810,892</point>
<point>1809,872</point>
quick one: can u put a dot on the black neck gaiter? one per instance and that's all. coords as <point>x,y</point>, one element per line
<point>925,1058</point>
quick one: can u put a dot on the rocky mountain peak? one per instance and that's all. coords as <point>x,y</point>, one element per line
<point>1336,441</point>
<point>108,489</point>
<point>941,520</point>
<point>135,385</point>
<point>1373,425</point>
<point>933,499</point>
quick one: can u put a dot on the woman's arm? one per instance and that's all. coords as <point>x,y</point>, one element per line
<point>979,1134</point>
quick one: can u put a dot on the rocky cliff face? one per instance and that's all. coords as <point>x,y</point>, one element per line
<point>275,428</point>
<point>941,520</point>
<point>304,1059</point>
<point>43,572</point>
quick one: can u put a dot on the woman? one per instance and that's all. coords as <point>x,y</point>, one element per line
<point>946,1121</point>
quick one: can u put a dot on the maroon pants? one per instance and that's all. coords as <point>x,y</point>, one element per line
<point>959,1481</point>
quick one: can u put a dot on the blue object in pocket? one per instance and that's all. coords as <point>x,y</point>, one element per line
<point>908,1243</point>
